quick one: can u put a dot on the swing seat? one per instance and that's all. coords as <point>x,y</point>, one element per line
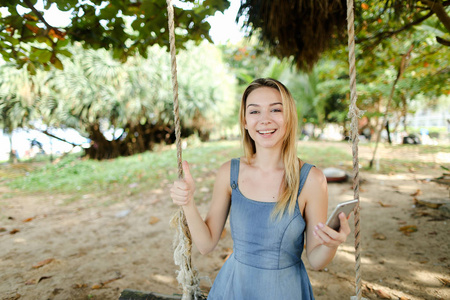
<point>335,175</point>
<point>129,294</point>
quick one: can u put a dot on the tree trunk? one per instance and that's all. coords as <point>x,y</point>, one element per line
<point>401,70</point>
<point>388,133</point>
<point>12,152</point>
<point>404,111</point>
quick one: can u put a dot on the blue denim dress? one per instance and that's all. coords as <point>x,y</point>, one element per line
<point>266,261</point>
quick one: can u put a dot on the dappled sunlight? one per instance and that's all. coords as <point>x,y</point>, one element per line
<point>163,278</point>
<point>429,278</point>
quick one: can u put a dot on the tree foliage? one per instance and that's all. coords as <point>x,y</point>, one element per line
<point>306,29</point>
<point>124,26</point>
<point>125,108</point>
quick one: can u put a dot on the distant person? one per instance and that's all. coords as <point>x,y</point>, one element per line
<point>273,199</point>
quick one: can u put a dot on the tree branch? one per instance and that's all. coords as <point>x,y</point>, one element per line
<point>380,36</point>
<point>439,10</point>
<point>442,41</point>
<point>38,14</point>
<point>58,138</point>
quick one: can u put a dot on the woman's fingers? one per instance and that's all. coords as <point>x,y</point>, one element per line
<point>179,192</point>
<point>345,228</point>
<point>330,237</point>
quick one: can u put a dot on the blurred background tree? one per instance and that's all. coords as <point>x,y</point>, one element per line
<point>110,78</point>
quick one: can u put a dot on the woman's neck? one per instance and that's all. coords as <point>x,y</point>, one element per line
<point>268,159</point>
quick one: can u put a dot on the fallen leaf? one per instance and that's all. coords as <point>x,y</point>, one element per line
<point>408,229</point>
<point>417,193</point>
<point>382,294</point>
<point>113,279</point>
<point>379,236</point>
<point>79,285</point>
<point>56,291</point>
<point>14,231</point>
<point>421,214</point>
<point>96,286</point>
<point>226,255</point>
<point>384,205</point>
<point>44,277</point>
<point>2,229</point>
<point>153,220</point>
<point>431,203</point>
<point>102,284</point>
<point>224,233</point>
<point>28,220</point>
<point>445,281</point>
<point>30,282</point>
<point>43,263</point>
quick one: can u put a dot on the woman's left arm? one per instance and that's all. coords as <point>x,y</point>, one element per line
<point>321,241</point>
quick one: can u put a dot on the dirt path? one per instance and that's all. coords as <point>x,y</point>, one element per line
<point>80,250</point>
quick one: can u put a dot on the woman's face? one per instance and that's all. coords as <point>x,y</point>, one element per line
<point>264,118</point>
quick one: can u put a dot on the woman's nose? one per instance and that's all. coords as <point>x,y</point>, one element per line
<point>265,118</point>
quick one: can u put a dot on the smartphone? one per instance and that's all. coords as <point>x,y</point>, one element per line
<point>346,207</point>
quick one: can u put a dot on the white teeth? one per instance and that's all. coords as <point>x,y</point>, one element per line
<point>266,131</point>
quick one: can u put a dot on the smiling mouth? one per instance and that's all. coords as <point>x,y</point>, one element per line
<point>265,132</point>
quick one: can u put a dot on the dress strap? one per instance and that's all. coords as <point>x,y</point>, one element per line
<point>303,176</point>
<point>234,172</point>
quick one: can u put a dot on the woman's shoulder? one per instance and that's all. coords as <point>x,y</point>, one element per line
<point>316,178</point>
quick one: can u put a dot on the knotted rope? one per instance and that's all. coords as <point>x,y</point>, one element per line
<point>354,114</point>
<point>187,275</point>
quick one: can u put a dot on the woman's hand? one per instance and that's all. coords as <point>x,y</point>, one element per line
<point>332,238</point>
<point>182,191</point>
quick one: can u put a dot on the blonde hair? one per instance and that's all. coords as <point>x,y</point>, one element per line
<point>290,184</point>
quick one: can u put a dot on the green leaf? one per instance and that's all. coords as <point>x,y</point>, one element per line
<point>31,68</point>
<point>64,52</point>
<point>57,63</point>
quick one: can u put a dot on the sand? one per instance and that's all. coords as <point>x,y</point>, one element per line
<point>51,249</point>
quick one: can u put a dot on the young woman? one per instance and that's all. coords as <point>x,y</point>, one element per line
<point>273,199</point>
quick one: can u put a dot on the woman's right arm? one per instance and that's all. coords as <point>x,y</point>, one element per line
<point>205,233</point>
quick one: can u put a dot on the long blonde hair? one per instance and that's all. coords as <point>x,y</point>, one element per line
<point>291,180</point>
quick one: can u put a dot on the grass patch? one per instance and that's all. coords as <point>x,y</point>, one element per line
<point>127,176</point>
<point>142,171</point>
<point>325,156</point>
<point>389,166</point>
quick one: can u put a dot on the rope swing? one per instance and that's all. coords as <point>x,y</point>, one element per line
<point>187,276</point>
<point>354,114</point>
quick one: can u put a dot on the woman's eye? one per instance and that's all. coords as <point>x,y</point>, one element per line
<point>253,112</point>
<point>276,110</point>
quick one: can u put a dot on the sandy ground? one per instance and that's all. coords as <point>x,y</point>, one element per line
<point>82,250</point>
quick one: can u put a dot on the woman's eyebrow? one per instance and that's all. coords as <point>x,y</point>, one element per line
<point>271,104</point>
